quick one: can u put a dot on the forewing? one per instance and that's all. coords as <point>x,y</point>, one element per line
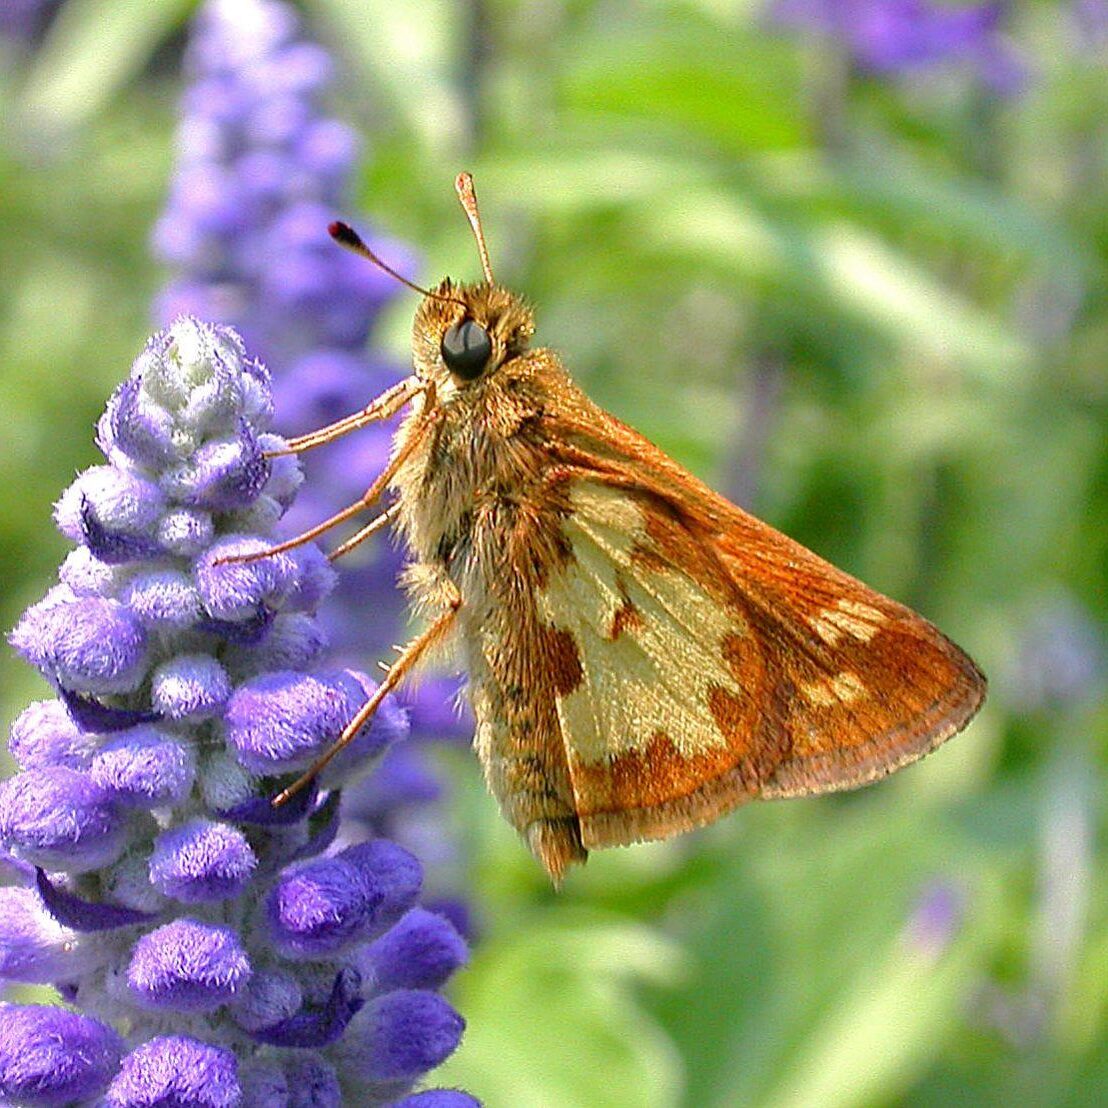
<point>721,660</point>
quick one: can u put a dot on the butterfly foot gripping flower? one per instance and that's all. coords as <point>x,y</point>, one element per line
<point>214,951</point>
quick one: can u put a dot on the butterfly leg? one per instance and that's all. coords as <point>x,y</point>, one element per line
<point>376,524</point>
<point>408,659</point>
<point>368,498</point>
<point>382,407</point>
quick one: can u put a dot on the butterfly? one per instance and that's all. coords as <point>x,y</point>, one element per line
<point>643,656</point>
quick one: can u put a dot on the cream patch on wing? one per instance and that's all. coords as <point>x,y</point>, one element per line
<point>843,688</point>
<point>643,673</point>
<point>850,617</point>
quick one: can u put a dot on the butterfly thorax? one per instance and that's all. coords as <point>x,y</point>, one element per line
<point>476,494</point>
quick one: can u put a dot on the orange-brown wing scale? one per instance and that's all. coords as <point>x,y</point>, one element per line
<point>720,661</point>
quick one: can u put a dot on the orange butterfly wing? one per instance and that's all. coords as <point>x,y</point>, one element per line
<point>720,660</point>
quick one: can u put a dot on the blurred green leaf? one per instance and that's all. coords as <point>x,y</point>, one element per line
<point>683,72</point>
<point>884,1028</point>
<point>549,1007</point>
<point>887,185</point>
<point>94,48</point>
<point>842,265</point>
<point>402,52</point>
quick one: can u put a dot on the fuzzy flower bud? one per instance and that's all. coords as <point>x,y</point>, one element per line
<point>49,1056</point>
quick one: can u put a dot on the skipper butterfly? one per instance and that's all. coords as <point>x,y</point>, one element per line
<point>642,655</point>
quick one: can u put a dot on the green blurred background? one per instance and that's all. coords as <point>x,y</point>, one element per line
<point>869,306</point>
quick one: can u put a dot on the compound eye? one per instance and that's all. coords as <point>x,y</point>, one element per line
<point>466,348</point>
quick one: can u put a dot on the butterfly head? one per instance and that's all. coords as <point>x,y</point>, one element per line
<point>463,333</point>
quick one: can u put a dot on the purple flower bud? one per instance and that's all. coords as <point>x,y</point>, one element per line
<point>264,176</point>
<point>114,547</point>
<point>190,686</point>
<point>438,1098</point>
<point>34,947</point>
<point>401,1035</point>
<point>328,148</point>
<point>293,641</point>
<point>458,911</point>
<point>44,734</point>
<point>303,68</point>
<point>317,388</point>
<point>173,1071</point>
<point>87,575</point>
<point>59,818</point>
<point>319,908</point>
<point>185,531</point>
<point>420,952</point>
<point>87,644</point>
<point>134,426</point>
<point>302,1080</point>
<point>260,810</point>
<point>282,721</point>
<point>277,120</point>
<point>234,591</point>
<point>49,1056</point>
<point>249,631</point>
<point>269,997</point>
<point>164,599</point>
<point>188,966</point>
<point>91,715</point>
<point>403,778</point>
<point>202,861</point>
<point>314,580</point>
<point>221,475</point>
<point>144,767</point>
<point>285,475</point>
<point>119,502</point>
<point>393,869</point>
<point>207,195</point>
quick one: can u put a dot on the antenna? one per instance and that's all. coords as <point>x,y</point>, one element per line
<point>463,185</point>
<point>345,235</point>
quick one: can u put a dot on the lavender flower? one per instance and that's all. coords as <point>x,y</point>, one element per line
<point>897,37</point>
<point>216,954</point>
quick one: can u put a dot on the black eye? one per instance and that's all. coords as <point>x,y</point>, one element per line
<point>466,348</point>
